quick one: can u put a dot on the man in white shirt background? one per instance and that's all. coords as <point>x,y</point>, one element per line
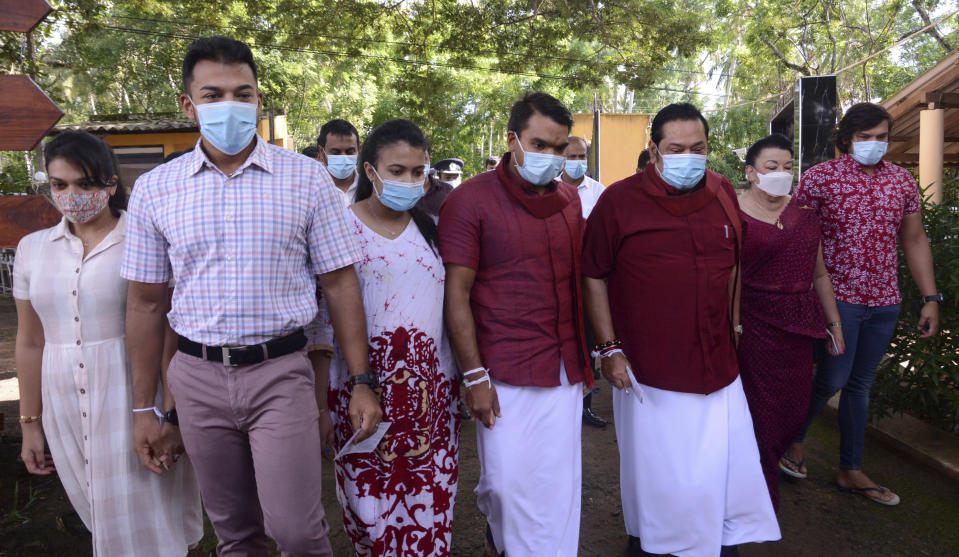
<point>338,145</point>
<point>574,174</point>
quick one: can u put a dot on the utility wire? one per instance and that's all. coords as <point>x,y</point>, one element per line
<point>861,61</point>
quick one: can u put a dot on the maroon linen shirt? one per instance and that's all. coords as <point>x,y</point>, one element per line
<point>524,297</point>
<point>667,259</point>
<point>861,216</point>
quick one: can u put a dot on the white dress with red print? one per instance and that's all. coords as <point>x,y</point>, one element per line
<point>398,500</point>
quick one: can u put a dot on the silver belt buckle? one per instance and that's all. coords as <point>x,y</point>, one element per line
<point>226,357</point>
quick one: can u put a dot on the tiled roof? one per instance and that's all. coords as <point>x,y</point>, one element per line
<point>131,123</point>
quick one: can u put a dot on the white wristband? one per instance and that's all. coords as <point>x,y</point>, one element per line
<point>474,382</point>
<point>153,409</point>
<point>604,355</point>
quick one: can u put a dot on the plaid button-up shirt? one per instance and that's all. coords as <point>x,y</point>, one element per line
<point>244,249</point>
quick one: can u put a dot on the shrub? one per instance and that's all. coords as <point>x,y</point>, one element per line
<point>921,376</point>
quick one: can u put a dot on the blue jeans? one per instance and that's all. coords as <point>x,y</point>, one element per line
<point>867,332</point>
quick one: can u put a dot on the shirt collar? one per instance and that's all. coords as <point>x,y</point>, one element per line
<point>119,232</point>
<point>61,230</point>
<point>261,157</point>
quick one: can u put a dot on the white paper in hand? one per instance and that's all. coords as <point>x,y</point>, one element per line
<point>367,445</point>
<point>634,388</point>
<point>832,341</point>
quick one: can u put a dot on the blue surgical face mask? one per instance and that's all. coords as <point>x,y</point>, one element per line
<point>539,169</point>
<point>228,125</point>
<point>869,153</point>
<point>341,166</point>
<point>683,171</point>
<point>400,196</point>
<point>575,169</point>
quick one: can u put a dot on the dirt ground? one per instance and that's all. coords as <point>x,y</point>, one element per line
<point>36,518</point>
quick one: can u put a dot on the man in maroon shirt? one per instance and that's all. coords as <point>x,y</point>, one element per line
<point>511,243</point>
<point>866,205</point>
<point>660,259</point>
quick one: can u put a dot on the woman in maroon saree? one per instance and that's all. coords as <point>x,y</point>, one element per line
<point>787,303</point>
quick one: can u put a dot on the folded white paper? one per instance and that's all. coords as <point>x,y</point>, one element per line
<point>634,388</point>
<point>832,340</point>
<point>367,445</point>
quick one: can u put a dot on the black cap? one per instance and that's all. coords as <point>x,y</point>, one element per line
<point>452,166</point>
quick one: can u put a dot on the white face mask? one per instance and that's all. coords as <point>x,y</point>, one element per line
<point>776,184</point>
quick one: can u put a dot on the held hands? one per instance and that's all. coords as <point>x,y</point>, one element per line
<point>158,446</point>
<point>481,397</point>
<point>365,411</point>
<point>929,320</point>
<point>169,445</point>
<point>36,461</point>
<point>615,369</point>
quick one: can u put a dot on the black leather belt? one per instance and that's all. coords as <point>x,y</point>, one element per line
<point>245,355</point>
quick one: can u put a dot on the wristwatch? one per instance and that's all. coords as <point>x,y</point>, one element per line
<point>368,378</point>
<point>938,298</point>
<point>170,417</point>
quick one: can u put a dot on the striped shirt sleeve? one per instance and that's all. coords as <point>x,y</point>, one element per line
<point>145,252</point>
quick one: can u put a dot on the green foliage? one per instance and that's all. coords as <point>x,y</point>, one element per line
<point>921,376</point>
<point>14,177</point>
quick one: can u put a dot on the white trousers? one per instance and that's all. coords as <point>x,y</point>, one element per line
<point>690,476</point>
<point>531,482</point>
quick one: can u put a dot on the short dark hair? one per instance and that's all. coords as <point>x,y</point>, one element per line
<point>218,49</point>
<point>491,161</point>
<point>94,157</point>
<point>643,159</point>
<point>672,113</point>
<point>538,102</point>
<point>774,141</point>
<point>337,127</point>
<point>859,117</point>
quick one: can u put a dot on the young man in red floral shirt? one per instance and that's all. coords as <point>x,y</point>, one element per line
<point>865,204</point>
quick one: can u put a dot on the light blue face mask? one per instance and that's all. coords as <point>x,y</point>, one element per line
<point>341,166</point>
<point>683,171</point>
<point>400,196</point>
<point>228,125</point>
<point>869,153</point>
<point>539,169</point>
<point>575,169</point>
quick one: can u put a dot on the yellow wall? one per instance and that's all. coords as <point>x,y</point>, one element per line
<point>179,141</point>
<point>621,138</point>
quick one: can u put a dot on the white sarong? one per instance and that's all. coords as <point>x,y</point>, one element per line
<point>690,476</point>
<point>531,481</point>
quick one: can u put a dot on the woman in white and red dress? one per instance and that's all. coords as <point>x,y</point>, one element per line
<point>398,500</point>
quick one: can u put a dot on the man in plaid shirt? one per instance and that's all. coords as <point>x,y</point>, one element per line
<point>244,228</point>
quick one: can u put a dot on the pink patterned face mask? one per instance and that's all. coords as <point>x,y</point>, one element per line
<point>81,207</point>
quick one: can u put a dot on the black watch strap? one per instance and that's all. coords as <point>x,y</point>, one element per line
<point>170,417</point>
<point>938,298</point>
<point>368,378</point>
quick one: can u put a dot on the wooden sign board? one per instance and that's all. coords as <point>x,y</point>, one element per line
<point>22,16</point>
<point>26,113</point>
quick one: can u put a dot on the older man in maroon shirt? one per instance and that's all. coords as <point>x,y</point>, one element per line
<point>661,267</point>
<point>511,243</point>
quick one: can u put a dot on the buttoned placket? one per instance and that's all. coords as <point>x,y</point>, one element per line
<point>230,195</point>
<point>81,373</point>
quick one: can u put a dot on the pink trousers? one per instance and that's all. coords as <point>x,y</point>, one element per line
<point>252,434</point>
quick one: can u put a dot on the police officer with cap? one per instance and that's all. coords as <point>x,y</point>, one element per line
<point>449,171</point>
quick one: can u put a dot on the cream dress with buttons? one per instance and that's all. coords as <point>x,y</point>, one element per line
<point>86,395</point>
